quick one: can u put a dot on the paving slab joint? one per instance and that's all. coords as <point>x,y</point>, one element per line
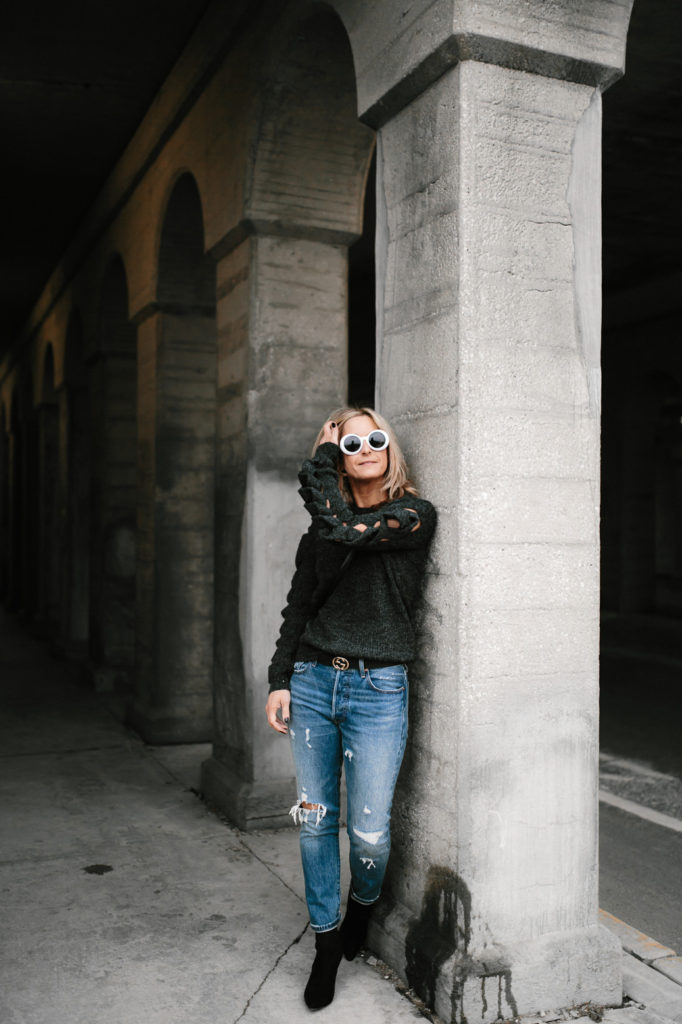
<point>652,973</point>
<point>642,947</point>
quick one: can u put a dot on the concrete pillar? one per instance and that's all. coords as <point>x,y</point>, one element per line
<point>282,322</point>
<point>49,542</point>
<point>112,551</point>
<point>176,456</point>
<point>488,245</point>
<point>75,470</point>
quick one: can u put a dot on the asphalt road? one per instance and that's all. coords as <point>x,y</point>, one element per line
<point>641,740</point>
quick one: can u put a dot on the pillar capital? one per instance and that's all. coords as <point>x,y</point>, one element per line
<point>399,53</point>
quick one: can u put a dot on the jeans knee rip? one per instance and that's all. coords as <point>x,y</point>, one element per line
<point>368,837</point>
<point>302,809</point>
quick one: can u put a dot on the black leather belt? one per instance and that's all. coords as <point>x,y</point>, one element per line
<point>344,664</point>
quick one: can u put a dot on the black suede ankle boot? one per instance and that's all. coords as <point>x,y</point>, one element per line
<point>319,991</point>
<point>354,927</point>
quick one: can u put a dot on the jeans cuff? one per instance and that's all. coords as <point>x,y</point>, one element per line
<point>319,929</point>
<point>363,903</point>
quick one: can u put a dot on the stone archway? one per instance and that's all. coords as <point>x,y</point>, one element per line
<point>282,366</point>
<point>176,480</point>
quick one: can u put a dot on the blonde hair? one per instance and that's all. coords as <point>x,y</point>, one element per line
<point>397,480</point>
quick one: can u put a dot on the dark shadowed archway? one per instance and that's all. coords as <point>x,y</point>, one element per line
<point>177,458</point>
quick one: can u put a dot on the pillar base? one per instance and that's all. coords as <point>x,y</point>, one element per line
<point>165,726</point>
<point>556,971</point>
<point>248,805</point>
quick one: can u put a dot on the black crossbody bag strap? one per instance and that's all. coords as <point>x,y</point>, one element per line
<point>331,585</point>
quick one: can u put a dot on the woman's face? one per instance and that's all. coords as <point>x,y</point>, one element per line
<point>367,464</point>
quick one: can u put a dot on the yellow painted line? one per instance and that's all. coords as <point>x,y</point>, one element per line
<point>635,941</point>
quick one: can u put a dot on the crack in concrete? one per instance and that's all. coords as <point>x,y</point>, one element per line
<point>274,967</point>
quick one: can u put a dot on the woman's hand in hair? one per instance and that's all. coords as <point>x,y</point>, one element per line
<point>278,700</point>
<point>330,432</point>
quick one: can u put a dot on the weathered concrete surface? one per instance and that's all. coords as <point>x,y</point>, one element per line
<point>488,364</point>
<point>399,51</point>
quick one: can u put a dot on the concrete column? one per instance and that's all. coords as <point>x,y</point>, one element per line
<point>282,322</point>
<point>176,455</point>
<point>488,247</point>
<point>75,467</point>
<point>112,551</point>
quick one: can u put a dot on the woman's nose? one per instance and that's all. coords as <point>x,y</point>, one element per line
<point>365,450</point>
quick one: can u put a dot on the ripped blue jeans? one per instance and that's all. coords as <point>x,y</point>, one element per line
<point>358,719</point>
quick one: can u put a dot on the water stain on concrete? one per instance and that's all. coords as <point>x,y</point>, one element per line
<point>98,869</point>
<point>443,931</point>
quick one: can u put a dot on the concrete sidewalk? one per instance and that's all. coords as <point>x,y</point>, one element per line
<point>126,901</point>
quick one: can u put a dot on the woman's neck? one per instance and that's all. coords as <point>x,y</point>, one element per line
<point>367,494</point>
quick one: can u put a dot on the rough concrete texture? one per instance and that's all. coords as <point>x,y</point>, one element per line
<point>124,897</point>
<point>400,51</point>
<point>482,237</point>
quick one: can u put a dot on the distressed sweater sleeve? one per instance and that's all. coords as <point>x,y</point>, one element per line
<point>404,524</point>
<point>295,614</point>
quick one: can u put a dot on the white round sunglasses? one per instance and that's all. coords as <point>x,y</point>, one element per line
<point>351,444</point>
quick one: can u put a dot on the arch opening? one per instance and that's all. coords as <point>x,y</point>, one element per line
<point>175,641</point>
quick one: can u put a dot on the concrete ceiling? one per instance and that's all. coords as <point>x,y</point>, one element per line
<point>77,76</point>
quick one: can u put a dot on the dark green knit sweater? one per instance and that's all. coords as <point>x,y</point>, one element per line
<point>370,612</point>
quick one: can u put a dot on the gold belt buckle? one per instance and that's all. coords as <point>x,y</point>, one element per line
<point>340,664</point>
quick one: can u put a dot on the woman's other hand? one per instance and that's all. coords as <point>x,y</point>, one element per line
<point>278,700</point>
<point>330,432</point>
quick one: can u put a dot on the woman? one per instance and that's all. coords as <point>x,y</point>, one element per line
<point>338,682</point>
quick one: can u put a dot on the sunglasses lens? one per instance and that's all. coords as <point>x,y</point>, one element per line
<point>378,440</point>
<point>351,444</point>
